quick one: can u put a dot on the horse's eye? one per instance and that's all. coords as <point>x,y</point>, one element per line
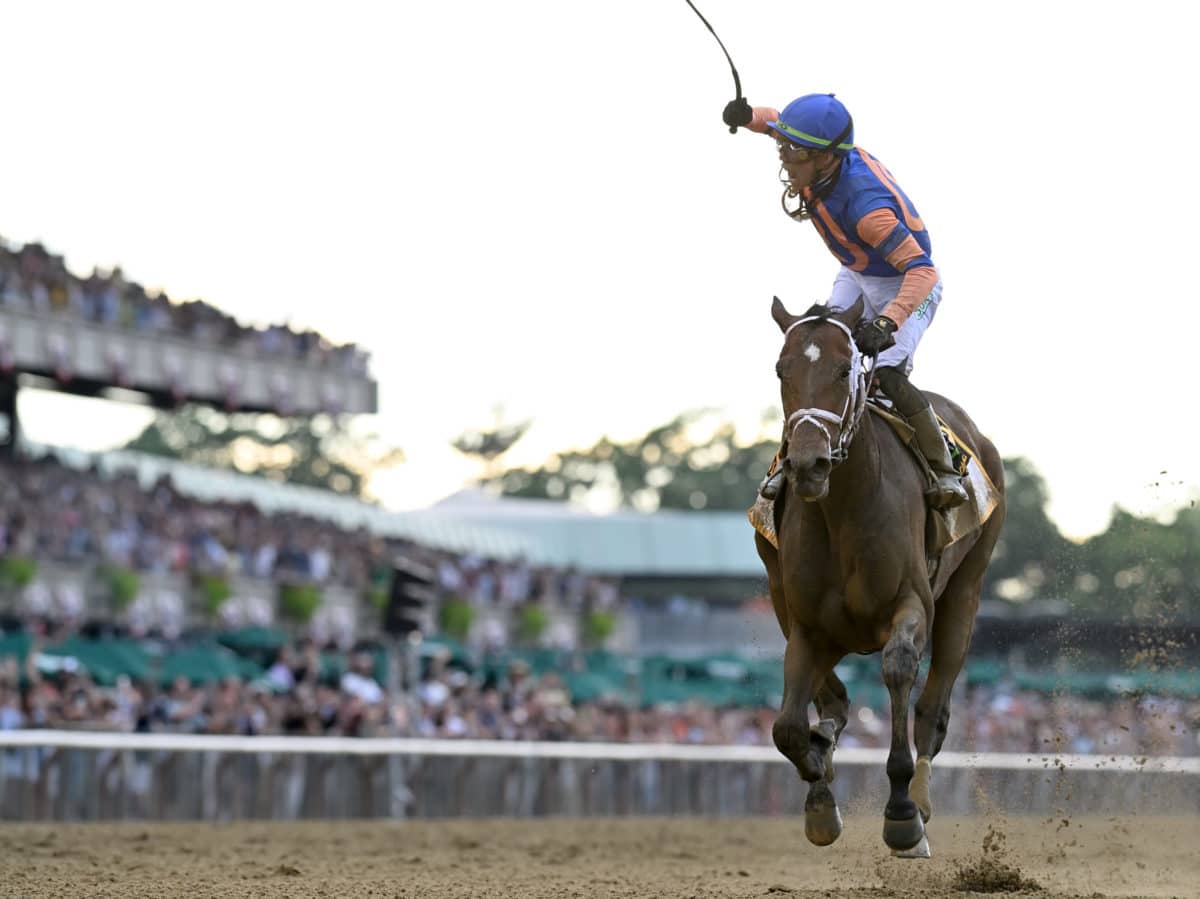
<point>844,373</point>
<point>779,370</point>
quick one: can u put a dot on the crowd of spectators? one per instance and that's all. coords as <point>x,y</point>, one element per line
<point>295,697</point>
<point>33,278</point>
<point>51,511</point>
<point>56,513</point>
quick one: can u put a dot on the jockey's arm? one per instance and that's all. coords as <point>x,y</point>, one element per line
<point>882,230</point>
<point>762,115</point>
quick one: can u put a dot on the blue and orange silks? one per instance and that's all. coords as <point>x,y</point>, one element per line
<point>872,227</point>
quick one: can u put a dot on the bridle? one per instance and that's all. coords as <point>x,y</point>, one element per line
<point>856,399</point>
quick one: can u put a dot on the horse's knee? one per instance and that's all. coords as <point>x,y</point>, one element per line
<point>791,738</point>
<point>899,663</point>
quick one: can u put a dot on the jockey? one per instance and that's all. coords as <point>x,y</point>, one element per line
<point>875,232</point>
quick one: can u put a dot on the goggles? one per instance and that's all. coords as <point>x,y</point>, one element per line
<point>794,153</point>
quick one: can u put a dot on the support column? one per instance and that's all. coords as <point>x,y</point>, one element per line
<point>9,424</point>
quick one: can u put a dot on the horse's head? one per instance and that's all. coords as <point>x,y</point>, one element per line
<point>822,382</point>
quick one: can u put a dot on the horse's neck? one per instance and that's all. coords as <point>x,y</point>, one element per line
<point>854,484</point>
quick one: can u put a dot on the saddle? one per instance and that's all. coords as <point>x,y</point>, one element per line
<point>942,527</point>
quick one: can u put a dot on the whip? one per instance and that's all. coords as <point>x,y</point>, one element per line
<point>737,82</point>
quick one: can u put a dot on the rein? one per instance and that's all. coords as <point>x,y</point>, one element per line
<point>852,410</point>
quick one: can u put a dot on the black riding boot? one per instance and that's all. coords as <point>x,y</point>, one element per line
<point>947,491</point>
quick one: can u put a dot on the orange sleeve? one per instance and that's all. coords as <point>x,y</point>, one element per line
<point>762,115</point>
<point>918,284</point>
<point>905,255</point>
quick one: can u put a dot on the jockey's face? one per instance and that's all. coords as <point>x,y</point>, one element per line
<point>802,164</point>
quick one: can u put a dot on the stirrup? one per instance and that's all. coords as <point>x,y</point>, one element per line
<point>771,484</point>
<point>947,493</point>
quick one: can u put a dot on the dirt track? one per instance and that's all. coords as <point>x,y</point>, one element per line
<point>1088,857</point>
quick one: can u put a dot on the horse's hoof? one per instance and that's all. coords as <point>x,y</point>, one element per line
<point>903,834</point>
<point>921,850</point>
<point>822,819</point>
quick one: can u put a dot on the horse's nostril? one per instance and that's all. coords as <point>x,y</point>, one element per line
<point>821,467</point>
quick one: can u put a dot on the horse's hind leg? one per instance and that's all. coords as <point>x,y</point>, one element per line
<point>822,819</point>
<point>833,708</point>
<point>953,622</point>
<point>902,824</point>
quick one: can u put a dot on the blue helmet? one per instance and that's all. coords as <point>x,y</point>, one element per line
<point>819,121</point>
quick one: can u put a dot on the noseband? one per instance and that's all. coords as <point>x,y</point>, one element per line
<point>856,400</point>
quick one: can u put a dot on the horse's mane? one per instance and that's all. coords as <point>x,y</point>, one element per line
<point>818,310</point>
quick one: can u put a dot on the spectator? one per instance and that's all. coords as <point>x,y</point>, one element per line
<point>33,279</point>
<point>359,680</point>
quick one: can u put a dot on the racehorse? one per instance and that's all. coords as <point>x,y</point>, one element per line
<point>850,574</point>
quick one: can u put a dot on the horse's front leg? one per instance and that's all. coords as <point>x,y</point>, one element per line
<point>822,819</point>
<point>804,667</point>
<point>902,824</point>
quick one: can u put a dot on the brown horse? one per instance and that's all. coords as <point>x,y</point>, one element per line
<point>850,573</point>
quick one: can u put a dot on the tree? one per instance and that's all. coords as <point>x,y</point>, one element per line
<point>330,453</point>
<point>1136,567</point>
<point>1143,568</point>
<point>488,445</point>
<point>687,463</point>
<point>1032,559</point>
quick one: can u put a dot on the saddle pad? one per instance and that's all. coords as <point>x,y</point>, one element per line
<point>971,516</point>
<point>762,517</point>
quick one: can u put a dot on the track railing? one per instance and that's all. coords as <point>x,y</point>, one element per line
<point>85,775</point>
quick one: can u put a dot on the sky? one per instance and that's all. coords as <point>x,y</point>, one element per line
<point>535,204</point>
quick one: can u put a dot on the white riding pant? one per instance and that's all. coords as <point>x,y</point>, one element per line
<point>878,293</point>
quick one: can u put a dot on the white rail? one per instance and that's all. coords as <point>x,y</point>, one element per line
<point>1003,761</point>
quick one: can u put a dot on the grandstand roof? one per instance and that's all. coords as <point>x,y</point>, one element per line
<point>628,543</point>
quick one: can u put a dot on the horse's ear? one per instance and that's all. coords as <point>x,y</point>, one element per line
<point>852,316</point>
<point>782,317</point>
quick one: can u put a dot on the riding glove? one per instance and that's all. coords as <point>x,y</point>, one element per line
<point>737,113</point>
<point>874,337</point>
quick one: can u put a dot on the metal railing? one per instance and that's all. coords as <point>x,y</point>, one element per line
<point>68,775</point>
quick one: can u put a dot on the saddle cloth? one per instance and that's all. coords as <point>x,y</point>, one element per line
<point>945,527</point>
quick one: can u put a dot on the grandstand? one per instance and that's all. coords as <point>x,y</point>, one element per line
<point>103,335</point>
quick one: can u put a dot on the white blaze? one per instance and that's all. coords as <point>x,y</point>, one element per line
<point>813,352</point>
